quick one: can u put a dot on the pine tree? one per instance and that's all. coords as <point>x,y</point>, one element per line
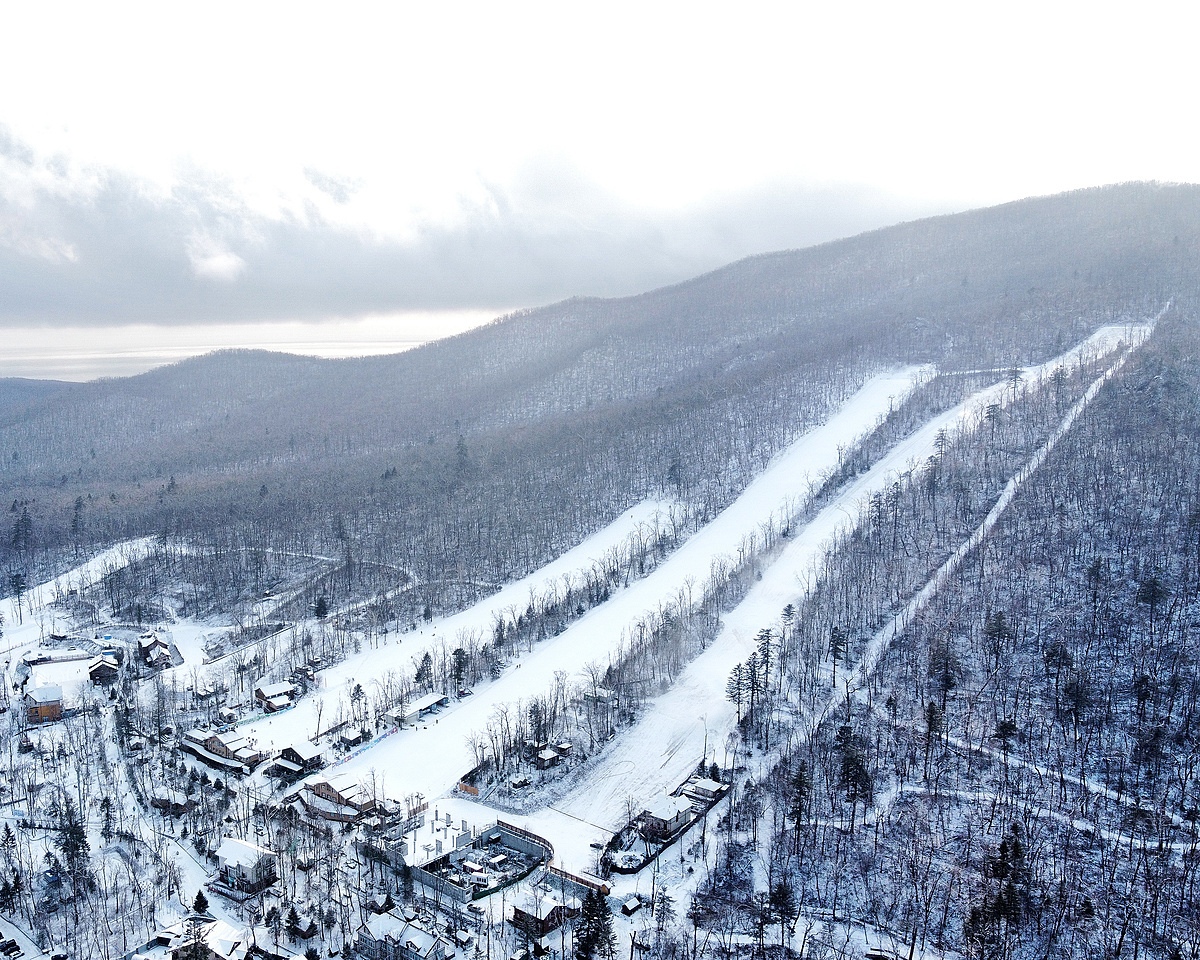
<point>106,828</point>
<point>200,904</point>
<point>766,647</point>
<point>754,682</point>
<point>594,935</point>
<point>735,688</point>
<point>72,842</point>
<point>783,906</point>
<point>855,776</point>
<point>664,913</point>
<point>801,788</point>
<point>8,841</point>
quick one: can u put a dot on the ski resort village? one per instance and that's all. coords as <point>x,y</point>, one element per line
<point>671,740</point>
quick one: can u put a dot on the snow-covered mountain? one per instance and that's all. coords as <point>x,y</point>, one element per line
<point>839,600</point>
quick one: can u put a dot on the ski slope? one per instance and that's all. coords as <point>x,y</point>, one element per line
<point>665,746</point>
<point>433,757</point>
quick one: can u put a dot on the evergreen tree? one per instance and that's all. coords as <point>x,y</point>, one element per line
<point>664,913</point>
<point>854,776</point>
<point>754,682</point>
<point>606,939</point>
<point>594,935</point>
<point>200,904</point>
<point>801,787</point>
<point>766,647</point>
<point>459,661</point>
<point>783,906</point>
<point>735,688</point>
<point>8,842</point>
<point>424,674</point>
<point>72,842</point>
<point>106,827</point>
<point>788,617</point>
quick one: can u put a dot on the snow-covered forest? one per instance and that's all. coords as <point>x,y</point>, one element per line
<point>841,602</point>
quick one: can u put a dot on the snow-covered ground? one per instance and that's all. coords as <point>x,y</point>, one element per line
<point>34,608</point>
<point>691,720</point>
<point>26,625</point>
<point>403,651</point>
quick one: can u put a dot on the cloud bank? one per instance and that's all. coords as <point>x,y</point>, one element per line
<point>101,247</point>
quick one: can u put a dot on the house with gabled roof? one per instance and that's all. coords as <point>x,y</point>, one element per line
<point>275,696</point>
<point>199,935</point>
<point>664,815</point>
<point>154,650</point>
<point>245,866</point>
<point>300,758</point>
<point>537,915</point>
<point>229,750</point>
<point>391,937</point>
<point>340,797</point>
<point>104,669</point>
<point>43,704</point>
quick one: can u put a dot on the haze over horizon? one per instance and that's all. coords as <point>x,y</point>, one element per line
<point>267,176</point>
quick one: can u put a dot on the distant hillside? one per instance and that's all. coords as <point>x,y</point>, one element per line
<point>474,458</point>
<point>18,394</point>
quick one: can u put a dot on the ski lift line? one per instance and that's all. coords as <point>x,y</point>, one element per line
<point>899,623</point>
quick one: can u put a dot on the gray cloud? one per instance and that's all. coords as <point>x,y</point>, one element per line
<point>117,252</point>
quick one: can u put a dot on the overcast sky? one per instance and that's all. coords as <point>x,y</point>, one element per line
<point>168,163</point>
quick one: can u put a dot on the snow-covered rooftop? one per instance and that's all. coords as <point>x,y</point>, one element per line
<point>270,691</point>
<point>305,750</point>
<point>51,693</point>
<point>241,853</point>
<point>665,807</point>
